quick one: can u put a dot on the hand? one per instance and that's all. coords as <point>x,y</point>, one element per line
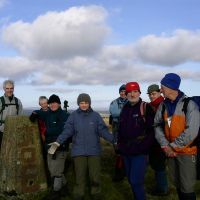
<point>33,116</point>
<point>169,152</point>
<point>54,146</point>
<point>115,146</point>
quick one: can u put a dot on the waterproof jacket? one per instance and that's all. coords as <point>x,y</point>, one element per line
<point>116,107</point>
<point>9,110</point>
<point>86,128</point>
<point>136,134</point>
<point>176,129</point>
<point>54,123</point>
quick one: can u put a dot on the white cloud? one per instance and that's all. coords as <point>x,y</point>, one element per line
<point>165,50</point>
<point>59,35</point>
<point>69,47</point>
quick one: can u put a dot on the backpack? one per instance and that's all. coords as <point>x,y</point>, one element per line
<point>3,105</point>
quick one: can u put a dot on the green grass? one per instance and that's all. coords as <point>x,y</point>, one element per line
<point>110,190</point>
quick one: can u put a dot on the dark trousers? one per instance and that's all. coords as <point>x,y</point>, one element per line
<point>135,170</point>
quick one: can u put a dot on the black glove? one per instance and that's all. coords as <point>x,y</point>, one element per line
<point>33,116</point>
<point>115,146</point>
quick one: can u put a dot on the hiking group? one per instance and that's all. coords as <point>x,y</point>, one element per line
<point>161,133</point>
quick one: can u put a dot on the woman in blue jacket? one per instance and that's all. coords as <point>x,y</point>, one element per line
<point>86,127</point>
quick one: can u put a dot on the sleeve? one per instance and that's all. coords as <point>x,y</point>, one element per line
<point>68,130</point>
<point>114,109</point>
<point>103,130</point>
<point>159,127</point>
<point>192,127</point>
<point>20,112</point>
<point>149,130</point>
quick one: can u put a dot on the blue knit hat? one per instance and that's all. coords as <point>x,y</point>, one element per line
<point>171,80</point>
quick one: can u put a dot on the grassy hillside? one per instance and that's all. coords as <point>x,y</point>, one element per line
<point>110,190</point>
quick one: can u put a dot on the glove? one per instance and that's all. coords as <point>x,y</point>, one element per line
<point>54,146</point>
<point>33,116</point>
<point>115,146</point>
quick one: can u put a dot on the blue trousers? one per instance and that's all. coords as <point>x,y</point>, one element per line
<point>135,170</point>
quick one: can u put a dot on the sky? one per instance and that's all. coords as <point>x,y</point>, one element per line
<point>68,47</point>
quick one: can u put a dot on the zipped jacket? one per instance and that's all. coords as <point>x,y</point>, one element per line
<point>136,133</point>
<point>116,107</point>
<point>9,110</point>
<point>178,130</point>
<point>86,128</point>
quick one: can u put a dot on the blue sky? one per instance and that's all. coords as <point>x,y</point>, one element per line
<point>68,47</point>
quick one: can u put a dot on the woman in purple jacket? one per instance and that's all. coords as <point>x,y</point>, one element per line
<point>135,138</point>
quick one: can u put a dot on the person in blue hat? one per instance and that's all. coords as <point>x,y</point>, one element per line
<point>176,131</point>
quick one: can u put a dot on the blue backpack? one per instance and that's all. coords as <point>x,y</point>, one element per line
<point>196,99</point>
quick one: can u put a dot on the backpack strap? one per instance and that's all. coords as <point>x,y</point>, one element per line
<point>185,104</point>
<point>17,104</point>
<point>2,104</point>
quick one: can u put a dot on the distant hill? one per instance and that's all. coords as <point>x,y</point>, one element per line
<point>28,111</point>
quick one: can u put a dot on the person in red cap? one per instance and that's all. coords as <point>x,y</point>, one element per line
<point>135,138</point>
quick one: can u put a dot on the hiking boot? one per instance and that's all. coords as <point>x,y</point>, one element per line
<point>53,195</point>
<point>78,198</point>
<point>97,197</point>
<point>64,191</point>
<point>159,193</point>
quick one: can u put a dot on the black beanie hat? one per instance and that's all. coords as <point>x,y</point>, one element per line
<point>83,97</point>
<point>54,99</point>
<point>122,87</point>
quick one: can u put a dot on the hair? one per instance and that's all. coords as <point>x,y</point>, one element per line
<point>8,82</point>
<point>42,98</point>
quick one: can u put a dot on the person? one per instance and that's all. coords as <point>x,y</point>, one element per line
<point>115,110</point>
<point>175,131</point>
<point>86,127</point>
<point>9,105</point>
<point>43,102</point>
<point>55,119</point>
<point>135,138</point>
<point>157,158</point>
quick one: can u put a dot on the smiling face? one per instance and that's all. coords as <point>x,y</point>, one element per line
<point>154,95</point>
<point>133,96</point>
<point>9,89</point>
<point>44,104</point>
<point>122,94</point>
<point>54,106</point>
<point>84,105</point>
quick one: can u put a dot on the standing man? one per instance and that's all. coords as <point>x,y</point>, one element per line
<point>135,138</point>
<point>9,105</point>
<point>115,110</point>
<point>157,158</point>
<point>175,132</point>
